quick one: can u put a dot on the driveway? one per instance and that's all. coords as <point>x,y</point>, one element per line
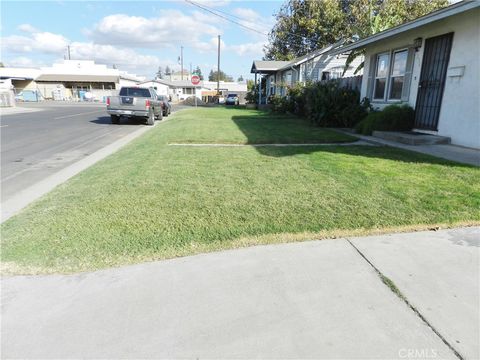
<point>49,136</point>
<point>318,299</point>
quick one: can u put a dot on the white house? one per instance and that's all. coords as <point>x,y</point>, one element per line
<point>315,66</point>
<point>181,90</point>
<point>160,87</point>
<point>432,64</point>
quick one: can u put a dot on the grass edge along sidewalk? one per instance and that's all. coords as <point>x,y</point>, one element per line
<point>152,201</point>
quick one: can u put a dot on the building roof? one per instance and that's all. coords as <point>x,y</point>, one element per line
<point>77,78</point>
<point>421,21</point>
<point>267,66</point>
<point>313,54</point>
<point>19,73</point>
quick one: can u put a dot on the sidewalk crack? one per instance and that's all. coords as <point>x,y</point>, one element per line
<point>388,282</point>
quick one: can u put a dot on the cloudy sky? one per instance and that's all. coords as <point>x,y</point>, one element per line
<point>136,36</point>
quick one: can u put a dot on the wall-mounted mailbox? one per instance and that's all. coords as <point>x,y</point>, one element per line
<point>456,71</point>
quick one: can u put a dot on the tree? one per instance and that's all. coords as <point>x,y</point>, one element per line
<point>168,71</point>
<point>160,73</point>
<point>303,26</point>
<point>240,79</point>
<point>198,71</point>
<point>213,75</point>
<point>1,65</point>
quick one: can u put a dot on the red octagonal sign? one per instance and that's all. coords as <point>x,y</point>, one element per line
<point>195,79</point>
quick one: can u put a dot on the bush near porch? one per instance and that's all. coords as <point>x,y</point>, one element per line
<point>325,104</point>
<point>391,118</point>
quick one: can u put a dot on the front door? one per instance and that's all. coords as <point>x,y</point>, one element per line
<point>432,81</point>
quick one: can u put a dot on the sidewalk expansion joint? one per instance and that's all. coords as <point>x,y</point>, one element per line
<point>388,282</point>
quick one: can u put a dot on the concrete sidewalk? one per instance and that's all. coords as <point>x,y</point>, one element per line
<point>318,299</point>
<point>450,152</point>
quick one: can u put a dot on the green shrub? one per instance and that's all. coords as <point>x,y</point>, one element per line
<point>328,104</point>
<point>391,118</point>
<point>325,104</point>
<point>296,96</point>
<point>252,96</point>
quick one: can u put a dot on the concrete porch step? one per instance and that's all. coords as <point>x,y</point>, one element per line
<point>411,138</point>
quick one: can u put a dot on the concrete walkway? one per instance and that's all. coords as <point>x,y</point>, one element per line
<point>450,152</point>
<point>317,299</point>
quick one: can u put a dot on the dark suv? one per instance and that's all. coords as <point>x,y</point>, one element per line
<point>166,106</point>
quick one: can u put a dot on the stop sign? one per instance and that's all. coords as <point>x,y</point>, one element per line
<point>195,79</point>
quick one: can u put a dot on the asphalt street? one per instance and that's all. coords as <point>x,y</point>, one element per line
<point>37,144</point>
<point>311,300</point>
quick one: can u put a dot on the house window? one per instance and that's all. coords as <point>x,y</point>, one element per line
<point>397,76</point>
<point>381,73</point>
<point>325,75</point>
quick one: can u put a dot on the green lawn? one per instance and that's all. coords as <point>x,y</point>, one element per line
<point>248,127</point>
<point>153,201</point>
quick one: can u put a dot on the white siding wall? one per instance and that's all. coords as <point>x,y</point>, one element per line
<point>161,89</point>
<point>312,69</point>
<point>460,110</point>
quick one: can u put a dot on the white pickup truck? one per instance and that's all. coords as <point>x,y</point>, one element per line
<point>135,102</point>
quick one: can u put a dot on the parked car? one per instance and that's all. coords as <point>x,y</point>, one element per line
<point>166,106</point>
<point>232,99</point>
<point>135,102</point>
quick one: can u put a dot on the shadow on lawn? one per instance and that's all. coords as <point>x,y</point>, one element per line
<point>264,128</point>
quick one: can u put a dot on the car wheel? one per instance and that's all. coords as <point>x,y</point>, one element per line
<point>151,118</point>
<point>165,113</point>
<point>115,119</point>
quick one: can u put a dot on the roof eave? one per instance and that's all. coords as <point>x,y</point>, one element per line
<point>424,20</point>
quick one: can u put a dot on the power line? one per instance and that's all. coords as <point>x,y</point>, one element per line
<point>203,7</point>
<point>217,11</point>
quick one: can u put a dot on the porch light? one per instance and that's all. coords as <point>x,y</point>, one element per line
<point>417,43</point>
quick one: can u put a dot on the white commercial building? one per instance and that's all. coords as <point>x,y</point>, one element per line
<point>70,80</point>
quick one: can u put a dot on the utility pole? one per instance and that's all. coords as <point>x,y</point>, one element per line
<point>68,47</point>
<point>181,60</point>
<point>218,67</point>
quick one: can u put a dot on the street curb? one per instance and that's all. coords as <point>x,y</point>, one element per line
<point>34,192</point>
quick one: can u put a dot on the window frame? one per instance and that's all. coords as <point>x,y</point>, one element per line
<point>388,80</point>
<point>375,77</point>
<point>390,77</point>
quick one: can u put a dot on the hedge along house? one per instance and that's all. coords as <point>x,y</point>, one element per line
<point>432,64</point>
<point>319,65</point>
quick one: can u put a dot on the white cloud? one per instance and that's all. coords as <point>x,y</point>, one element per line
<point>210,46</point>
<point>247,14</point>
<point>27,28</point>
<point>172,27</point>
<point>108,54</point>
<point>45,42</point>
<point>248,49</point>
<point>213,3</point>
<point>23,61</point>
